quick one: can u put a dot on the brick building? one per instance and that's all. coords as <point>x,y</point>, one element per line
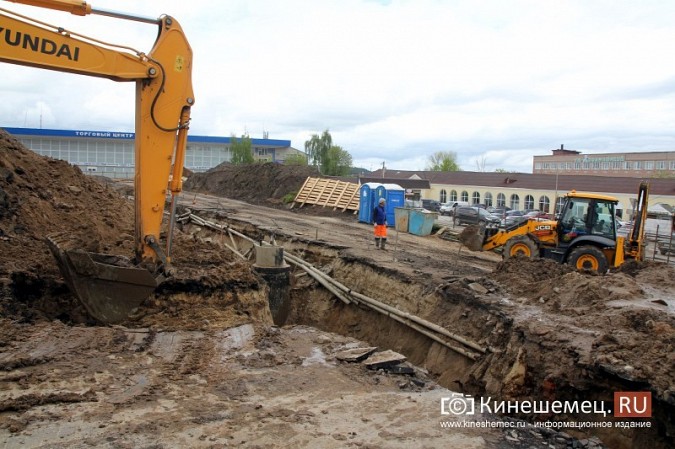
<point>654,164</point>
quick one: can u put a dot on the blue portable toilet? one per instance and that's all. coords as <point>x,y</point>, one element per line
<point>368,201</point>
<point>394,194</point>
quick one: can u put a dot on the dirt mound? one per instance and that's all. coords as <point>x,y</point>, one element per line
<point>258,183</point>
<point>618,323</point>
<point>560,287</point>
<point>40,196</point>
<point>520,273</point>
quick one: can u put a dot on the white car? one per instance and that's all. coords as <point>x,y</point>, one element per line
<point>449,207</point>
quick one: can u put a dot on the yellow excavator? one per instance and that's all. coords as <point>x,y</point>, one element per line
<point>584,235</point>
<point>163,76</point>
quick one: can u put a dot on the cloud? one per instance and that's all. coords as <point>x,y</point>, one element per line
<point>393,81</point>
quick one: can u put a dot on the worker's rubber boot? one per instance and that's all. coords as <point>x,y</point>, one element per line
<point>384,241</point>
<point>377,243</point>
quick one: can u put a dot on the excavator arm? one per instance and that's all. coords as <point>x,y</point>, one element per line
<point>635,243</point>
<point>164,98</point>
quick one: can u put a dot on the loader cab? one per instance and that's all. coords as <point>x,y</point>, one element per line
<point>591,215</point>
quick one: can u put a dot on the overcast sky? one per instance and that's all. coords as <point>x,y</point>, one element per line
<point>393,81</point>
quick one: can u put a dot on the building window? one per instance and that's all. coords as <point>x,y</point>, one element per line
<point>475,198</point>
<point>660,165</point>
<point>637,165</point>
<point>453,195</point>
<point>488,199</point>
<point>672,165</point>
<point>465,196</point>
<point>559,204</point>
<point>529,202</point>
<point>501,200</point>
<point>649,165</point>
<point>515,202</point>
<point>444,195</point>
<point>544,203</point>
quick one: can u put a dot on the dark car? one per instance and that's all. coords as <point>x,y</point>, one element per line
<point>474,215</point>
<point>431,205</point>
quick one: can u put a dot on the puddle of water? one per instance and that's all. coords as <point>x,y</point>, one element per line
<point>317,356</point>
<point>648,303</point>
<point>235,338</point>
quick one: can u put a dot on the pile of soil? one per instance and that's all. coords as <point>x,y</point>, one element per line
<point>40,196</point>
<point>616,324</point>
<point>260,183</point>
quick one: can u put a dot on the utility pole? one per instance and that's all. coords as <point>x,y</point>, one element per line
<point>557,170</point>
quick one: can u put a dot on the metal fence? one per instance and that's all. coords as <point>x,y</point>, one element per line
<point>661,245</point>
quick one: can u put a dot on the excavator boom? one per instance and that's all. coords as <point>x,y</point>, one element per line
<point>164,98</point>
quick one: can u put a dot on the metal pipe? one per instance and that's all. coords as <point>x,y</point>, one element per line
<point>393,310</point>
<point>124,15</point>
<point>425,332</point>
<point>340,290</point>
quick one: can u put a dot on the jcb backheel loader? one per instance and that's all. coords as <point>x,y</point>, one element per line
<point>584,235</point>
<point>108,289</point>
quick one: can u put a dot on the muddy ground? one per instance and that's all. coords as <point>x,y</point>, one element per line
<point>202,365</point>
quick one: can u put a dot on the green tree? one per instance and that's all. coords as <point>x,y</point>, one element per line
<point>317,149</point>
<point>331,159</point>
<point>443,161</point>
<point>296,159</point>
<point>339,161</point>
<point>241,150</point>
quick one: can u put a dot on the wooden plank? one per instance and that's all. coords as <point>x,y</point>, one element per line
<point>353,202</point>
<point>300,191</point>
<point>344,186</point>
<point>311,191</point>
<point>329,195</point>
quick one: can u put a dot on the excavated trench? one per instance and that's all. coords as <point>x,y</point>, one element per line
<point>522,362</point>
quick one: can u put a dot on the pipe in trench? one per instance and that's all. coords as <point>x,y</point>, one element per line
<point>343,292</point>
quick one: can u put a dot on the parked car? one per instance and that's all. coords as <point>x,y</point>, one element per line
<point>475,215</point>
<point>450,207</point>
<point>512,217</point>
<point>537,215</point>
<point>498,211</point>
<point>431,205</point>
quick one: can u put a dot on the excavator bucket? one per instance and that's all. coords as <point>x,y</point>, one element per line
<point>109,287</point>
<point>472,237</point>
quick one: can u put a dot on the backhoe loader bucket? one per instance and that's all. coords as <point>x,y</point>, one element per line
<point>109,287</point>
<point>472,237</point>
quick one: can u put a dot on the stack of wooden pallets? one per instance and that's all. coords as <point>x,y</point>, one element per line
<point>328,193</point>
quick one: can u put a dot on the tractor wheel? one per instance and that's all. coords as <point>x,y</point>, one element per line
<point>520,245</point>
<point>588,258</point>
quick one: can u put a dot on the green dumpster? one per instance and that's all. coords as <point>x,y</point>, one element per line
<point>402,216</point>
<point>421,221</point>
